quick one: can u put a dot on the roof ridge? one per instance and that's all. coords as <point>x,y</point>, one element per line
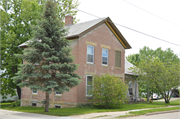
<point>87,21</point>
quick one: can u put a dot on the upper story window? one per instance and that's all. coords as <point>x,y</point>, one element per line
<point>104,56</point>
<point>89,85</point>
<point>57,93</point>
<point>118,59</point>
<point>34,91</point>
<point>90,54</point>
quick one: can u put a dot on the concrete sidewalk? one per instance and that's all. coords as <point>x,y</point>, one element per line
<point>109,115</point>
<point>102,115</point>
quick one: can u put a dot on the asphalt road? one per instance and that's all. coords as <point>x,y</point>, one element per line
<point>6,114</point>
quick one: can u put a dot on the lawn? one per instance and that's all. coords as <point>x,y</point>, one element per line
<point>85,110</point>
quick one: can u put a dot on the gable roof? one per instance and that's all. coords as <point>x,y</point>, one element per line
<point>77,30</point>
<point>127,66</point>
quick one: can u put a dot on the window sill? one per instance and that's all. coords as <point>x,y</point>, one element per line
<point>34,94</point>
<point>105,65</point>
<point>88,96</point>
<point>90,63</point>
<point>117,67</point>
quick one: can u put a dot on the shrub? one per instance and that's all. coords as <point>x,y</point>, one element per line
<point>108,91</point>
<point>88,105</point>
<point>15,103</point>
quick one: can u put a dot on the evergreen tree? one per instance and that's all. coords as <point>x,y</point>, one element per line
<point>49,66</point>
<point>16,17</point>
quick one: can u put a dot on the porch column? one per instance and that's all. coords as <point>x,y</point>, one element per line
<point>135,90</point>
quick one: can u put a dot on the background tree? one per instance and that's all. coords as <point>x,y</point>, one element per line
<point>50,50</point>
<point>163,76</point>
<point>134,58</point>
<point>15,26</point>
<point>108,91</point>
<point>144,53</point>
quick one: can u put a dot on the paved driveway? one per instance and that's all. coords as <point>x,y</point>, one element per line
<point>172,99</point>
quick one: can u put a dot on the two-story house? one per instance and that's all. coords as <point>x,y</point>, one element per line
<point>99,48</point>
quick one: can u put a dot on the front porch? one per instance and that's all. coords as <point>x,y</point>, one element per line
<point>131,81</point>
<point>133,91</point>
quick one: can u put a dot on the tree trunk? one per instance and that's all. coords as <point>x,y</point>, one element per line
<point>148,93</point>
<point>47,102</point>
<point>166,100</point>
<point>18,89</point>
<point>18,92</point>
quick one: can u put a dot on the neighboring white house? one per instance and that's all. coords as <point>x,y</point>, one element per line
<point>9,97</point>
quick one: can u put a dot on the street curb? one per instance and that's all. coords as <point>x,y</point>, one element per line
<point>162,112</point>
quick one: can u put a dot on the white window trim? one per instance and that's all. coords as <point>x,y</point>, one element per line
<point>107,57</point>
<point>87,85</point>
<point>34,93</point>
<point>58,94</point>
<point>93,54</point>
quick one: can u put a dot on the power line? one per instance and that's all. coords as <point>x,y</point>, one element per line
<point>151,13</point>
<point>124,26</point>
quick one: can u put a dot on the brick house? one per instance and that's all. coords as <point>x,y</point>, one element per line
<point>99,48</point>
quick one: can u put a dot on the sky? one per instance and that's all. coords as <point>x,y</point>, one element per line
<point>163,24</point>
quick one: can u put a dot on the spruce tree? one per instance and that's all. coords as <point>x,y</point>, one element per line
<point>49,65</point>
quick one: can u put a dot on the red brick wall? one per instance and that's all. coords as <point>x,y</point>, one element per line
<point>101,36</point>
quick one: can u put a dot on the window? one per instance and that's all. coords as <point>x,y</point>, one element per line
<point>57,106</point>
<point>90,54</point>
<point>57,93</point>
<point>130,88</point>
<point>34,104</point>
<point>34,91</point>
<point>104,56</point>
<point>88,85</point>
<point>118,59</point>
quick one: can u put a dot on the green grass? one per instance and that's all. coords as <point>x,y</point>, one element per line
<point>85,110</point>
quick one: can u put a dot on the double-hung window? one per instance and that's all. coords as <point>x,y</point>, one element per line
<point>104,56</point>
<point>89,80</point>
<point>90,54</point>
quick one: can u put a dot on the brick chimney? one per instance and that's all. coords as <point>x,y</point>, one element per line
<point>68,20</point>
